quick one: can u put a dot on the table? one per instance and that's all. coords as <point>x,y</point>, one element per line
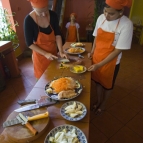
<point>54,111</point>
<point>9,59</point>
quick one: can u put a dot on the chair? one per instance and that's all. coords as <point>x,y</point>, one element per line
<point>137,33</point>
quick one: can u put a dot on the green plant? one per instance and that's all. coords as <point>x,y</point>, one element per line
<point>99,5</point>
<point>6,28</point>
<point>95,16</point>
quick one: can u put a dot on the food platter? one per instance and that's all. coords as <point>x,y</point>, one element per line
<point>56,95</point>
<point>68,114</point>
<point>75,51</point>
<point>79,134</point>
<point>77,44</point>
<point>78,69</point>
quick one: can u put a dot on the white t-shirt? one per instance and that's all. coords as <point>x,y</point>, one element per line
<point>76,24</point>
<point>123,33</point>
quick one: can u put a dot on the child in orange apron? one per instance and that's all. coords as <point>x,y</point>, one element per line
<point>72,34</point>
<point>113,33</point>
<point>42,34</point>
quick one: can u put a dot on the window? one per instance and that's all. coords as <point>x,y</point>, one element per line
<point>2,21</point>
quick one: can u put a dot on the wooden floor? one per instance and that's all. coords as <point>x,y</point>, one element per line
<point>121,122</point>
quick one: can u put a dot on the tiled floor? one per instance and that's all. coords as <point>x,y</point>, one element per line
<point>121,122</point>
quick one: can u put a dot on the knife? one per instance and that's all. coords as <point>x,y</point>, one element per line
<point>35,106</point>
<point>63,60</point>
<point>32,101</point>
<point>29,101</point>
<point>25,122</point>
<point>16,121</point>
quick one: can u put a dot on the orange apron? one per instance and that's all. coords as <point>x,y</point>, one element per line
<point>72,34</point>
<point>46,42</point>
<point>104,40</point>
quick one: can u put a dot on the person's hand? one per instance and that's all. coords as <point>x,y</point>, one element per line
<point>93,67</point>
<point>63,55</point>
<point>49,56</point>
<point>89,55</point>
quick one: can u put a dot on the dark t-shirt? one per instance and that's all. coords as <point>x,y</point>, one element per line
<point>31,28</point>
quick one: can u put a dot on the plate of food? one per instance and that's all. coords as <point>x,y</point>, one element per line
<point>65,134</point>
<point>73,111</point>
<point>63,88</point>
<point>78,69</point>
<point>75,51</point>
<point>77,44</point>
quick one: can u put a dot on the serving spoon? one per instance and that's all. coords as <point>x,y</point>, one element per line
<point>80,56</point>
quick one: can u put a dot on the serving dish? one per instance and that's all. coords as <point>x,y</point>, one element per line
<point>67,115</point>
<point>80,135</point>
<point>50,92</point>
<point>75,50</point>
<point>78,69</point>
<point>77,44</point>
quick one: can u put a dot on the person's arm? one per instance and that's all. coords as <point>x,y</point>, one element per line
<point>78,36</point>
<point>98,23</point>
<point>42,52</point>
<point>30,36</point>
<point>55,24</point>
<point>67,33</point>
<point>110,57</point>
<point>77,31</point>
<point>59,43</point>
<point>92,50</point>
<point>94,42</point>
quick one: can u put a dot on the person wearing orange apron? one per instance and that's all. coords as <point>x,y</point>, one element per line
<point>48,44</point>
<point>42,34</point>
<point>72,34</point>
<point>106,52</point>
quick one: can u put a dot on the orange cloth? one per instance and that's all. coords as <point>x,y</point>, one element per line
<point>119,4</point>
<point>104,75</point>
<point>39,3</point>
<point>47,43</point>
<point>72,34</point>
<point>74,14</point>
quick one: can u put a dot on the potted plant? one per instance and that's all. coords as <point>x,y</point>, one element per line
<point>7,32</point>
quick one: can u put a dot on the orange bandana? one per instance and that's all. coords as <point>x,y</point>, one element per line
<point>119,4</point>
<point>39,3</point>
<point>74,14</point>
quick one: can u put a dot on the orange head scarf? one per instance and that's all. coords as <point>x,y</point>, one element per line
<point>119,4</point>
<point>74,14</point>
<point>39,3</point>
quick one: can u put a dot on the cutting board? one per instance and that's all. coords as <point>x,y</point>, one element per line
<point>21,134</point>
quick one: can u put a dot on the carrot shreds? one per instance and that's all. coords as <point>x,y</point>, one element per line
<point>62,84</point>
